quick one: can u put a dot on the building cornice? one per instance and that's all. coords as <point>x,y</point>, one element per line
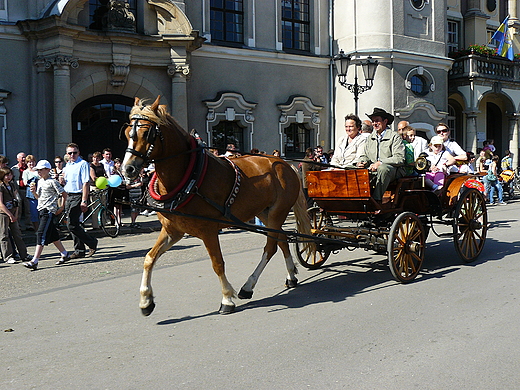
<point>261,56</point>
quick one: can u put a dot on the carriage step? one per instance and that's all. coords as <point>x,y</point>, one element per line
<point>445,235</point>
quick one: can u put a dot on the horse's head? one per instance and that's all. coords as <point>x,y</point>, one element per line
<point>142,134</point>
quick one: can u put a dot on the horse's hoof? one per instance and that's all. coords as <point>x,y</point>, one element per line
<point>226,309</point>
<point>291,283</point>
<point>243,294</point>
<point>146,311</point>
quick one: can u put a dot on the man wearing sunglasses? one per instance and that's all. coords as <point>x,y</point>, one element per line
<point>451,146</point>
<point>77,186</point>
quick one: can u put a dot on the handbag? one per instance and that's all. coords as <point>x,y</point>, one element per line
<point>491,176</point>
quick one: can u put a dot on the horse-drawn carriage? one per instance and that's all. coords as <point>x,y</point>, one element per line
<point>348,217</point>
<point>198,193</point>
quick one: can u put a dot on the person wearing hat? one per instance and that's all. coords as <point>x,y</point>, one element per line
<point>440,162</point>
<point>384,153</point>
<point>47,191</point>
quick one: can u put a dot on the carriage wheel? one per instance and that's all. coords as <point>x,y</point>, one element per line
<point>470,225</point>
<point>312,255</point>
<point>406,244</point>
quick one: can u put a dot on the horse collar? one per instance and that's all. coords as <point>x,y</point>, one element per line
<point>187,188</point>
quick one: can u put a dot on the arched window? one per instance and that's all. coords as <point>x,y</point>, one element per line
<point>299,126</point>
<point>97,123</point>
<point>230,120</point>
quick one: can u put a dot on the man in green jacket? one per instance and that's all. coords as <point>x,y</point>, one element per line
<point>384,153</point>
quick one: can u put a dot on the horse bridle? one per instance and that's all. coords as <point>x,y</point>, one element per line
<point>151,137</point>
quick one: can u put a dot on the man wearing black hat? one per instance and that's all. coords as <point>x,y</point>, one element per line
<point>384,153</point>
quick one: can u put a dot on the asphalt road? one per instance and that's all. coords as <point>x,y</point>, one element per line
<point>78,326</point>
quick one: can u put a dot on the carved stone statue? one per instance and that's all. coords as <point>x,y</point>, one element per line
<point>119,17</point>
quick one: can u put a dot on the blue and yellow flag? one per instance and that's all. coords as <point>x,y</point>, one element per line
<point>505,40</point>
<point>500,34</point>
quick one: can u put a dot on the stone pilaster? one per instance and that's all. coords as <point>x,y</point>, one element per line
<point>179,104</point>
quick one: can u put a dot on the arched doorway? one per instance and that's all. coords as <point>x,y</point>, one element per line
<point>97,122</point>
<point>494,126</point>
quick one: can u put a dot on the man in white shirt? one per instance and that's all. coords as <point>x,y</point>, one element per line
<point>77,176</point>
<point>107,162</point>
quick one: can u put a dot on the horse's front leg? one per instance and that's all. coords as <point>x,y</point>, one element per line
<point>163,243</point>
<point>212,245</point>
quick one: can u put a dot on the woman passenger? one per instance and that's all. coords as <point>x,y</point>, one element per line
<point>351,145</point>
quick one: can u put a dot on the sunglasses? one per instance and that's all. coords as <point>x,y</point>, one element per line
<point>442,131</point>
<point>57,162</point>
<point>71,153</point>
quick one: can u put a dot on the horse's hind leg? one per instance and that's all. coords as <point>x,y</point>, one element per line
<point>163,243</point>
<point>291,280</point>
<point>212,245</point>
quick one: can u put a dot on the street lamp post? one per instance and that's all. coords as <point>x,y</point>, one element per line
<point>342,62</point>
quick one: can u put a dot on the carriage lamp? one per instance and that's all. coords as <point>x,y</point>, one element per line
<point>342,62</point>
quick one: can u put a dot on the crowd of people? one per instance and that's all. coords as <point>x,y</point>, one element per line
<point>390,154</point>
<point>34,193</point>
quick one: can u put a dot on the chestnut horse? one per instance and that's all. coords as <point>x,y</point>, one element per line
<point>222,190</point>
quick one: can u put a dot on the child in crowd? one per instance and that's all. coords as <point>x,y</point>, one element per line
<point>47,192</point>
<point>9,213</point>
<point>440,161</point>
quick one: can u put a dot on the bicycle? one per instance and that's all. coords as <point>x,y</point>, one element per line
<point>106,218</point>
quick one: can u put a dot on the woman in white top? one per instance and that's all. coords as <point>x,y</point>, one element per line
<point>441,161</point>
<point>350,147</point>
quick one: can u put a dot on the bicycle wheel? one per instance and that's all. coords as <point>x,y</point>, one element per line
<point>107,221</point>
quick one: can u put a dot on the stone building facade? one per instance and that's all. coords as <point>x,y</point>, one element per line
<point>251,72</point>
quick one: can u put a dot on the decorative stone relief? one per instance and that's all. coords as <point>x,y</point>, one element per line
<point>57,61</point>
<point>181,69</point>
<point>118,17</point>
<point>119,73</point>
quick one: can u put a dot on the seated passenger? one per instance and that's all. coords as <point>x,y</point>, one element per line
<point>452,147</point>
<point>409,152</point>
<point>441,161</point>
<point>350,146</point>
<point>383,153</point>
<point>420,145</point>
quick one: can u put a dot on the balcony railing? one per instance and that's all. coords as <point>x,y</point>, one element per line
<point>492,68</point>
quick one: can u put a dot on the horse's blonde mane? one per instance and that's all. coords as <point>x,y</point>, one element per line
<point>161,117</point>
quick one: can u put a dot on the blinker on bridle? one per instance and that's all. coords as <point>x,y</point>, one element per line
<point>151,137</point>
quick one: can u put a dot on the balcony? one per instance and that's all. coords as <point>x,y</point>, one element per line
<point>485,69</point>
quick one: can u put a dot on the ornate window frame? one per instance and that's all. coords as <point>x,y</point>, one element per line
<point>299,109</point>
<point>424,75</point>
<point>231,106</point>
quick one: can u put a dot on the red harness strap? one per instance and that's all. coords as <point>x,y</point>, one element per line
<point>191,179</point>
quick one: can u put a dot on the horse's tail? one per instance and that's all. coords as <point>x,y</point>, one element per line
<point>303,221</point>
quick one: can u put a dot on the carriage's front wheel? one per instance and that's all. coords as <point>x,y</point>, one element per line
<point>406,244</point>
<point>312,255</point>
<point>470,225</point>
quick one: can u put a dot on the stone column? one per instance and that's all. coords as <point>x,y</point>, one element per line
<point>512,8</point>
<point>61,65</point>
<point>471,130</point>
<point>513,138</point>
<point>179,104</point>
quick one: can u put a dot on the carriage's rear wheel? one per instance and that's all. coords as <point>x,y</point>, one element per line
<point>313,255</point>
<point>406,244</point>
<point>470,225</point>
